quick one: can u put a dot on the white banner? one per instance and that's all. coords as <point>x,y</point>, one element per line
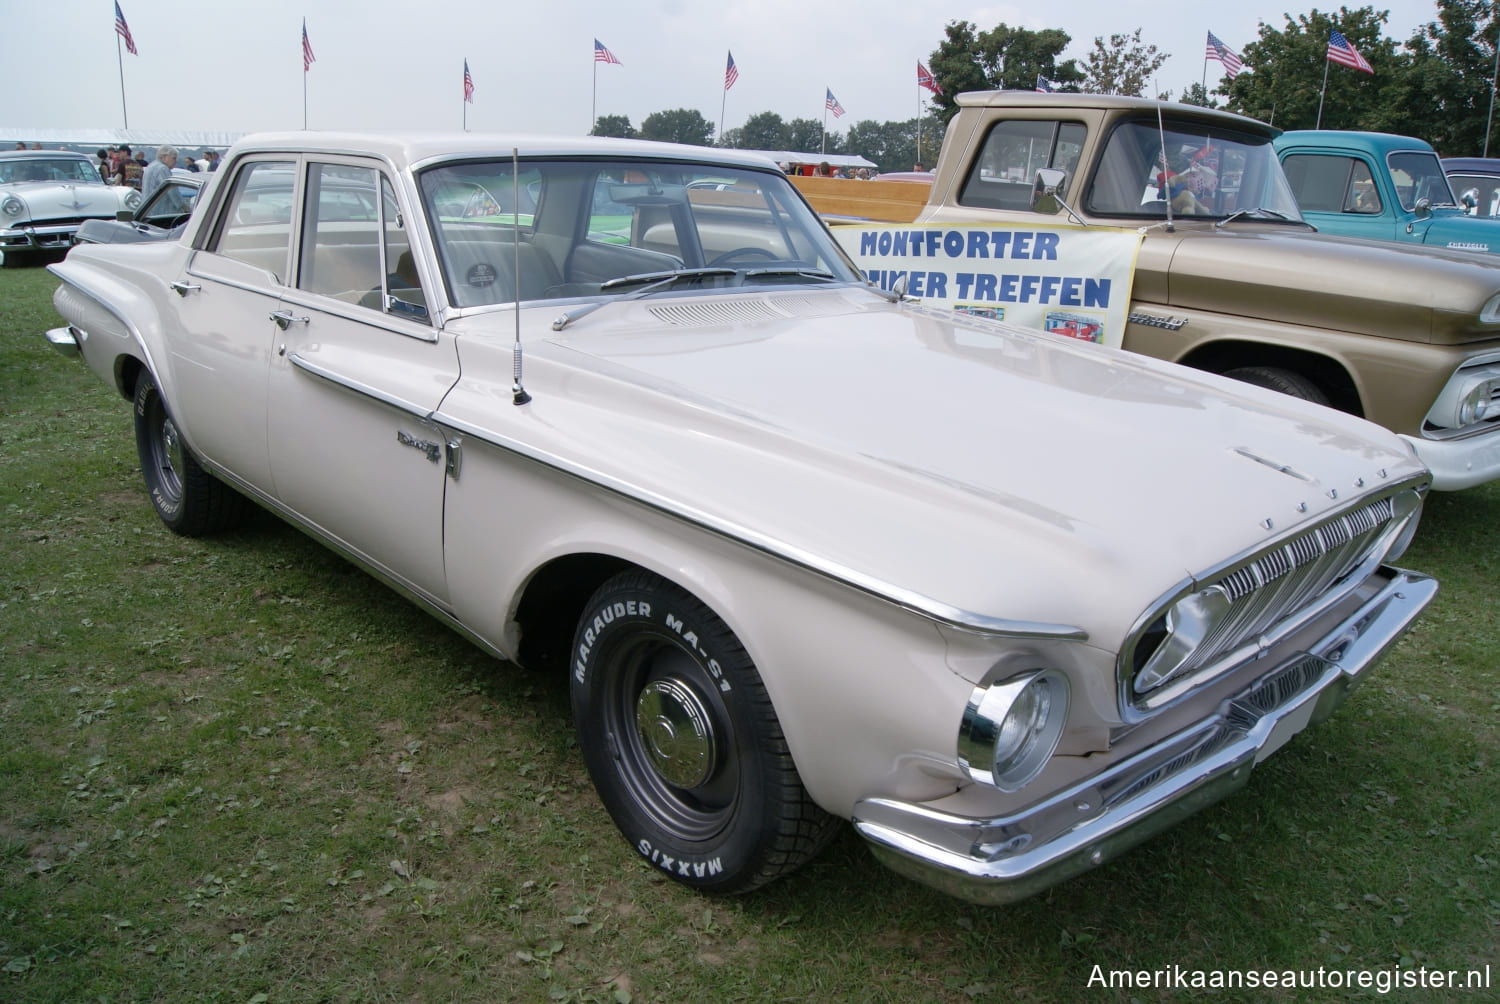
<point>1065,279</point>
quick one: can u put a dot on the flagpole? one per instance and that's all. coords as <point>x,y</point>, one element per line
<point>824,149</point>
<point>304,74</point>
<point>723,101</point>
<point>1488,122</point>
<point>594,108</point>
<point>919,127</point>
<point>119,55</point>
<point>1321,93</point>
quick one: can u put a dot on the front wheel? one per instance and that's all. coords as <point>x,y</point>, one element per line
<point>1288,382</point>
<point>682,742</point>
<point>188,499</point>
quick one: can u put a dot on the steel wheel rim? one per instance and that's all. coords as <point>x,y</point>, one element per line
<point>166,449</point>
<point>675,742</point>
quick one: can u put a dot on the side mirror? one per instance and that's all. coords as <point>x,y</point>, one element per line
<point>1423,207</point>
<point>1046,194</point>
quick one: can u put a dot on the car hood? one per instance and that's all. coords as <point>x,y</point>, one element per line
<point>1269,271</point>
<point>894,444</point>
<point>46,200</point>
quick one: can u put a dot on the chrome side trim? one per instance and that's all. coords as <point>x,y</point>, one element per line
<point>324,373</point>
<point>907,599</point>
<point>1001,859</point>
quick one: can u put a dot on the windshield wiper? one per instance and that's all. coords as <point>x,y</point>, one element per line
<point>805,273</point>
<point>1240,214</point>
<point>652,282</point>
<point>659,280</point>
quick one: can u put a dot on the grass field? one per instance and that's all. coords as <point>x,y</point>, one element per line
<point>237,769</point>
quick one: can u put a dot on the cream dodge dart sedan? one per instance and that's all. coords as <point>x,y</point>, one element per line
<point>806,551</point>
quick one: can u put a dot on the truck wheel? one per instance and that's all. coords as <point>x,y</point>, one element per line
<point>188,499</point>
<point>1288,382</point>
<point>682,742</point>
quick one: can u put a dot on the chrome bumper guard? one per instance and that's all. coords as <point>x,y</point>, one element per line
<point>64,340</point>
<point>1004,859</point>
<point>56,235</point>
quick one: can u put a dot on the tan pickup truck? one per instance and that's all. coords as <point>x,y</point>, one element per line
<point>1229,278</point>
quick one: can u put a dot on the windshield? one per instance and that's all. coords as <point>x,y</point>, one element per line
<point>69,170</point>
<point>570,229</point>
<point>1419,175</point>
<point>1205,170</point>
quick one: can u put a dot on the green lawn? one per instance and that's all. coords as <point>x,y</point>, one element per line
<point>237,769</point>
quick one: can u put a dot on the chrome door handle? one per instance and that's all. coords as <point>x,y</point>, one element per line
<point>284,319</point>
<point>184,288</point>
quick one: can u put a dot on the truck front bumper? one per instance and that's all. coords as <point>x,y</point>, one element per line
<point>1001,859</point>
<point>1461,462</point>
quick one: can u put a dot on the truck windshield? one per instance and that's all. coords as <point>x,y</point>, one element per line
<point>1204,170</point>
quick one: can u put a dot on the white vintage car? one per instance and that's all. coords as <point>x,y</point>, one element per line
<point>807,552</point>
<point>45,195</point>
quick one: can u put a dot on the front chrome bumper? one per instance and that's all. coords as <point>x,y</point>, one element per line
<point>39,237</point>
<point>1002,859</point>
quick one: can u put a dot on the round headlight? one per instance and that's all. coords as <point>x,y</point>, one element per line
<point>12,206</point>
<point>132,199</point>
<point>1011,729</point>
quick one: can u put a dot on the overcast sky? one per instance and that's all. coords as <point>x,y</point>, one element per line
<point>236,65</point>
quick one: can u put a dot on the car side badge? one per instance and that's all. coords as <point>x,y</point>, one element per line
<point>518,395</point>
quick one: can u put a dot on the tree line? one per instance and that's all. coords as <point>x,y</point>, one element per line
<point>1436,85</point>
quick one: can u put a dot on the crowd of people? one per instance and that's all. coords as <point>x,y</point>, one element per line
<point>120,165</point>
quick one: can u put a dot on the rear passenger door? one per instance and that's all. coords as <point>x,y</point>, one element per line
<point>233,283</point>
<point>356,369</point>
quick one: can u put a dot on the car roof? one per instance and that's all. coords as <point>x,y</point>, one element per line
<point>418,148</point>
<point>1472,165</point>
<point>1058,100</point>
<point>44,155</point>
<point>1376,143</point>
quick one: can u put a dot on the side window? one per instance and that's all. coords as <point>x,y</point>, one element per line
<point>1362,197</point>
<point>1322,183</point>
<point>256,226</point>
<point>403,288</point>
<point>1484,189</point>
<point>1013,152</point>
<point>340,235</point>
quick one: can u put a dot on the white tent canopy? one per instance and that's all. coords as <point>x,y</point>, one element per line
<point>138,139</point>
<point>832,159</point>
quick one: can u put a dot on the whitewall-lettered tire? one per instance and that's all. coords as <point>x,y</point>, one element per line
<point>682,742</point>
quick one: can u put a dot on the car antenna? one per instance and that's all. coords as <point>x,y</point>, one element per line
<point>518,393</point>
<point>1166,167</point>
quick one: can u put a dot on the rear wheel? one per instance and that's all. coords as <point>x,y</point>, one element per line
<point>188,499</point>
<point>682,742</point>
<point>1285,381</point>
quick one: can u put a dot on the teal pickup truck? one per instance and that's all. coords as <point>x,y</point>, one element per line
<point>1370,184</point>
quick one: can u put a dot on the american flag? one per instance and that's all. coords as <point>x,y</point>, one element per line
<point>123,30</point>
<point>1043,84</point>
<point>603,55</point>
<point>731,73</point>
<point>1224,54</point>
<point>307,54</point>
<point>925,79</point>
<point>832,104</point>
<point>468,84</point>
<point>1341,52</point>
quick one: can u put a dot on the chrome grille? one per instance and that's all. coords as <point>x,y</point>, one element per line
<point>1268,590</point>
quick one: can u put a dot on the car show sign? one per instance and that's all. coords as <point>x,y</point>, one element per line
<point>1068,280</point>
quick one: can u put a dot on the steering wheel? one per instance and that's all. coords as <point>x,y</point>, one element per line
<point>745,252</point>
